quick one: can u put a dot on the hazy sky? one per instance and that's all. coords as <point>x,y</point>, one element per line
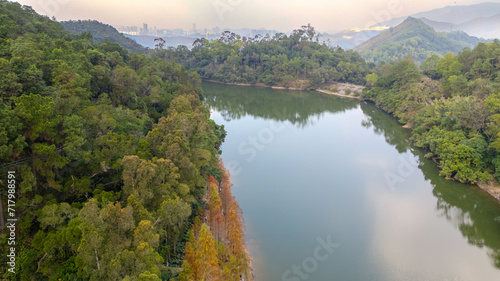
<point>282,15</point>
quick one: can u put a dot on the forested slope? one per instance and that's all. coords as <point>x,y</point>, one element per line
<point>414,37</point>
<point>111,151</point>
<point>101,32</point>
<point>453,105</point>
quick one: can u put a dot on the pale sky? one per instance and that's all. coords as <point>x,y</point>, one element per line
<point>283,15</point>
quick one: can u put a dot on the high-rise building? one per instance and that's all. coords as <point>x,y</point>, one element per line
<point>145,28</point>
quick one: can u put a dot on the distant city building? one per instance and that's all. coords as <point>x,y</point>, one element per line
<point>130,30</point>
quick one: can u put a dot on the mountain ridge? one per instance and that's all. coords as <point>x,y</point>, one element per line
<point>100,32</point>
<point>452,14</point>
<point>416,38</point>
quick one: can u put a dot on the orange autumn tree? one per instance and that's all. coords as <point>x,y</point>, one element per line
<point>236,260</point>
<point>200,261</point>
<point>189,266</point>
<point>215,217</point>
<point>221,242</point>
<point>237,263</point>
<point>226,195</point>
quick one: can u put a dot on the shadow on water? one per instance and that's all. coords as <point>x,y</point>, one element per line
<point>468,208</point>
<point>297,107</point>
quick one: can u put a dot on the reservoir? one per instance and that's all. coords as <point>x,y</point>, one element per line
<point>333,189</point>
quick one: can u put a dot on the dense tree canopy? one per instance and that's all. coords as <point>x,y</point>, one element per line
<point>111,150</point>
<point>296,60</point>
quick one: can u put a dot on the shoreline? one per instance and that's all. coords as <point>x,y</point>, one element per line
<point>255,85</point>
<point>284,88</point>
<point>491,187</point>
<point>337,94</point>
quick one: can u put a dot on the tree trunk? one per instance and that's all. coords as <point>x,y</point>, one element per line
<point>166,244</point>
<point>97,259</point>
<point>33,164</point>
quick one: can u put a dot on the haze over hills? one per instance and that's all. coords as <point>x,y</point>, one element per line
<point>480,20</point>
<point>415,38</point>
<point>180,37</point>
<point>148,41</point>
<point>486,27</point>
<point>349,39</point>
<point>100,32</point>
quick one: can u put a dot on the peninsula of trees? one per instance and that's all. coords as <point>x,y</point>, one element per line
<point>294,61</point>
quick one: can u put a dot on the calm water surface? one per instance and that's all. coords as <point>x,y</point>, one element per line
<point>332,189</point>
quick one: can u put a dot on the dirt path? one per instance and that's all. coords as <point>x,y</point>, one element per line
<point>492,188</point>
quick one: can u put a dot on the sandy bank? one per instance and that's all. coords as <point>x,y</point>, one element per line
<point>337,94</point>
<point>255,85</point>
<point>492,188</point>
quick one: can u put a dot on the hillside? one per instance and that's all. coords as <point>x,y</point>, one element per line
<point>113,153</point>
<point>100,32</point>
<point>480,20</point>
<point>413,37</point>
<point>440,26</point>
<point>452,14</point>
<point>486,27</point>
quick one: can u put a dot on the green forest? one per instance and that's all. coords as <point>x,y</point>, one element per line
<point>452,103</point>
<point>117,162</point>
<point>292,61</point>
<point>111,152</point>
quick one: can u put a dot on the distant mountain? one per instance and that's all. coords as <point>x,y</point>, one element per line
<point>179,37</point>
<point>440,26</point>
<point>413,37</point>
<point>453,14</point>
<point>480,20</point>
<point>488,27</point>
<point>349,39</point>
<point>101,31</point>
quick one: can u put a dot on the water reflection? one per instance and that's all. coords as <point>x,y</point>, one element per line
<point>470,210</point>
<point>297,107</point>
<point>427,229</point>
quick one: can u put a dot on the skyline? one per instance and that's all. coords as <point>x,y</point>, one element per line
<point>278,15</point>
